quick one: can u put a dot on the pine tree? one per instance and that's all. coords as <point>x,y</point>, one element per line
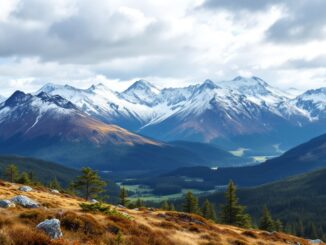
<point>11,173</point>
<point>232,212</point>
<point>89,183</point>
<point>278,225</point>
<point>266,221</point>
<point>190,204</point>
<point>54,184</point>
<point>24,178</point>
<point>172,208</point>
<point>208,211</point>
<point>165,205</point>
<point>139,203</point>
<point>123,196</point>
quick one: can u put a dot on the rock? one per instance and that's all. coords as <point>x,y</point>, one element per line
<point>315,241</point>
<point>136,209</point>
<point>55,191</point>
<point>7,204</point>
<point>25,201</point>
<point>93,201</point>
<point>121,206</point>
<point>51,227</point>
<point>25,188</point>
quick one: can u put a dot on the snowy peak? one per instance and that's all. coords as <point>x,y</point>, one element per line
<point>313,102</point>
<point>141,92</point>
<point>143,85</point>
<point>17,98</point>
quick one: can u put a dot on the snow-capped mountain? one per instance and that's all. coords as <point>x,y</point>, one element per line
<point>314,102</point>
<point>203,112</point>
<point>27,117</point>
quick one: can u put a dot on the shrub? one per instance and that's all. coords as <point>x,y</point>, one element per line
<point>85,224</point>
<point>28,236</point>
<point>102,208</point>
<point>35,216</point>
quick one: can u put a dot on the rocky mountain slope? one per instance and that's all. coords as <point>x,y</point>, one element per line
<point>144,226</point>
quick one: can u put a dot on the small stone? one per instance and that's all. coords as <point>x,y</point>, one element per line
<point>25,188</point>
<point>55,191</point>
<point>51,227</point>
<point>121,206</point>
<point>7,204</point>
<point>93,201</point>
<point>25,201</point>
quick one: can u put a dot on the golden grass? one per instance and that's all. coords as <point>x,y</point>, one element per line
<point>144,227</point>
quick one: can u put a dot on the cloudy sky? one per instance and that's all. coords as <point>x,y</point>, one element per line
<point>168,42</point>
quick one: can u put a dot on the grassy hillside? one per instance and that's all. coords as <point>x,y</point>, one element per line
<point>119,225</point>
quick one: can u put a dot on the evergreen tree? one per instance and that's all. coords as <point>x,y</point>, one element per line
<point>266,221</point>
<point>190,204</point>
<point>11,173</point>
<point>278,225</point>
<point>139,203</point>
<point>123,197</point>
<point>172,208</point>
<point>54,184</point>
<point>24,178</point>
<point>208,211</point>
<point>232,212</point>
<point>165,205</point>
<point>89,183</point>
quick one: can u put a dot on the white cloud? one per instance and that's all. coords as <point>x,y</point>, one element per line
<point>171,43</point>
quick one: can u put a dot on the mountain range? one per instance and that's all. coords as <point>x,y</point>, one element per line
<point>243,112</point>
<point>51,127</point>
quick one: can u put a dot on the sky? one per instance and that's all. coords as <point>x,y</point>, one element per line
<point>167,42</point>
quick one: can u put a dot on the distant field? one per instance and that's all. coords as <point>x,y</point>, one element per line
<point>145,193</point>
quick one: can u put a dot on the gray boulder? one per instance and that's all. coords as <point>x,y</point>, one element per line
<point>7,204</point>
<point>25,188</point>
<point>51,227</point>
<point>25,201</point>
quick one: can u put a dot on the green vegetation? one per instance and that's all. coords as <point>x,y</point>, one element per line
<point>232,212</point>
<point>190,204</point>
<point>123,196</point>
<point>208,211</point>
<point>11,173</point>
<point>89,184</point>
<point>266,221</point>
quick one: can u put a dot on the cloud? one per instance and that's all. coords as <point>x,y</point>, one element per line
<point>240,5</point>
<point>80,41</point>
<point>302,20</point>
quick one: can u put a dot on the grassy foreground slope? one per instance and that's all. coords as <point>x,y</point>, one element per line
<point>144,226</point>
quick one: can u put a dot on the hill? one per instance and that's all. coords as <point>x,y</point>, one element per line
<point>301,159</point>
<point>44,171</point>
<point>294,200</point>
<point>144,226</point>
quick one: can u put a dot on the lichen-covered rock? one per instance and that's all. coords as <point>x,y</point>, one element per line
<point>51,227</point>
<point>25,201</point>
<point>7,204</point>
<point>25,188</point>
